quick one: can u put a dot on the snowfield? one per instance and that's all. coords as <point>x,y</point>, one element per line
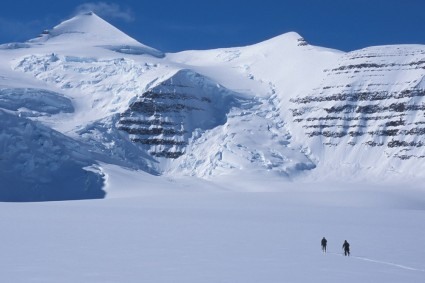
<point>156,230</point>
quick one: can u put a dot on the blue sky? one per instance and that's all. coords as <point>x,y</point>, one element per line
<point>175,25</point>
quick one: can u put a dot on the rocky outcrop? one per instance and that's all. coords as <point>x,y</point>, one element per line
<point>373,97</point>
<point>162,119</point>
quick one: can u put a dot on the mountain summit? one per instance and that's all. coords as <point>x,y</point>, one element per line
<point>85,96</point>
<point>88,29</point>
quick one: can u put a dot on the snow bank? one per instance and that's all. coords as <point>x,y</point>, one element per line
<point>39,164</point>
<point>37,101</point>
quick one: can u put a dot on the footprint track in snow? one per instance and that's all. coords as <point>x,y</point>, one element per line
<point>383,262</point>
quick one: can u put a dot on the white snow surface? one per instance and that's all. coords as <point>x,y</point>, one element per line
<point>88,29</point>
<point>224,165</point>
<point>153,229</point>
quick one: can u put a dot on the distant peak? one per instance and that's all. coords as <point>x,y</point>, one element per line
<point>287,39</point>
<point>91,24</point>
<point>88,29</point>
<point>291,36</point>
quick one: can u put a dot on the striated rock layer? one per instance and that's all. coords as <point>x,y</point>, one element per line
<point>374,97</point>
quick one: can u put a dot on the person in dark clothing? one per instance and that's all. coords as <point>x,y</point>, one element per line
<point>346,247</point>
<point>324,243</point>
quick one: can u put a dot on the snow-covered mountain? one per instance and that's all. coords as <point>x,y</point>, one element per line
<point>84,94</point>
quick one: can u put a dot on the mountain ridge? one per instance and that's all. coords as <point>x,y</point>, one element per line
<point>281,107</point>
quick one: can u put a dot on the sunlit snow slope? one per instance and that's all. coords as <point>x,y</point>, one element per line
<point>280,108</point>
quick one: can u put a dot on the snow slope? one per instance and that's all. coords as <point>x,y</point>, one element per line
<point>88,29</point>
<point>359,114</point>
<point>38,163</point>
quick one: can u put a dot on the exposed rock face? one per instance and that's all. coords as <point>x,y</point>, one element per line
<point>162,119</point>
<point>374,97</point>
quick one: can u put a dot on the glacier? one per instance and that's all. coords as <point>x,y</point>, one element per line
<point>279,108</point>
